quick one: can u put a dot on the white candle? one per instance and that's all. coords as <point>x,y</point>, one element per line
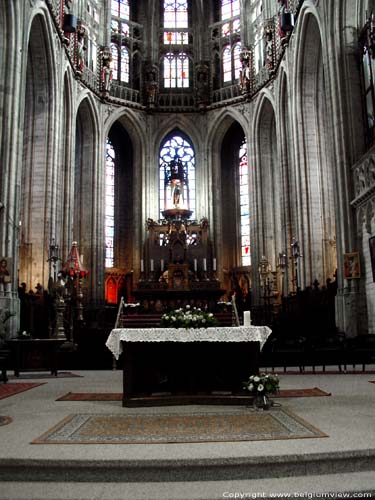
<point>152,265</point>
<point>246,318</point>
<point>214,264</point>
<point>204,264</point>
<point>195,265</point>
<point>162,265</point>
<point>142,266</point>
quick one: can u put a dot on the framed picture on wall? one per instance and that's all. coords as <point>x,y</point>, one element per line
<point>351,265</point>
<point>371,242</point>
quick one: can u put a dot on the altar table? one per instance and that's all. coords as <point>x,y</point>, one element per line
<point>175,366</point>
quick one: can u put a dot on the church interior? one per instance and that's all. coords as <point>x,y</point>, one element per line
<point>214,157</point>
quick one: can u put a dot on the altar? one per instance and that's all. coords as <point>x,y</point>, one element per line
<point>186,366</point>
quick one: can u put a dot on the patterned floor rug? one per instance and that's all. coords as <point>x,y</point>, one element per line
<point>10,389</point>
<point>232,425</point>
<point>117,396</point>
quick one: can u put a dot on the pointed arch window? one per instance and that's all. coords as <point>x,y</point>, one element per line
<point>176,70</point>
<point>124,65</point>
<point>244,205</point>
<point>109,224</point>
<point>176,67</point>
<point>177,146</point>
<point>230,35</point>
<point>120,37</point>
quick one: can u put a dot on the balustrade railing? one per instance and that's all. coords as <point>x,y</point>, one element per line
<point>124,93</point>
<point>226,93</point>
<point>178,101</point>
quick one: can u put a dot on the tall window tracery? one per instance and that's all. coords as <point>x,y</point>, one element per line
<point>109,204</point>
<point>176,67</point>
<point>177,146</point>
<point>230,35</point>
<point>244,205</point>
<point>120,31</point>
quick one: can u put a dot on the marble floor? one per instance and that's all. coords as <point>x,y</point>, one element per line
<point>342,463</point>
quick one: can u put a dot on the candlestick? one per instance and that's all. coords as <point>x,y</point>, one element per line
<point>195,265</point>
<point>142,266</point>
<point>162,265</point>
<point>204,264</point>
<point>214,264</point>
<point>152,265</point>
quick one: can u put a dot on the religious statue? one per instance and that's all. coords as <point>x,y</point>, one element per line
<point>269,47</point>
<point>283,4</point>
<point>81,48</point>
<point>106,56</point>
<point>245,71</point>
<point>176,195</point>
<point>202,86</point>
<point>151,87</point>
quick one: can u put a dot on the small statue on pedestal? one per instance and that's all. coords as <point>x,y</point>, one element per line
<point>106,57</point>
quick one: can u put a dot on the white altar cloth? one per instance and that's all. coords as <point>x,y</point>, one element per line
<point>212,334</point>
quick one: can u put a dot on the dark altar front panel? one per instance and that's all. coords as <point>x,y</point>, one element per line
<point>190,372</point>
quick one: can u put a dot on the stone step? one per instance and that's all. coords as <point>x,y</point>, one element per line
<point>349,486</point>
<point>215,469</point>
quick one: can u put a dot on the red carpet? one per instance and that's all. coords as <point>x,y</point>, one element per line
<point>10,389</point>
<point>117,396</point>
<point>43,375</point>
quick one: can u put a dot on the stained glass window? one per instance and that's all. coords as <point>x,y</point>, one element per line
<point>230,8</point>
<point>244,205</point>
<point>109,204</point>
<point>176,70</point>
<point>120,8</point>
<point>227,64</point>
<point>179,146</point>
<point>124,65</point>
<point>176,62</point>
<point>175,14</point>
<point>236,60</point>
<point>120,31</point>
<point>231,48</point>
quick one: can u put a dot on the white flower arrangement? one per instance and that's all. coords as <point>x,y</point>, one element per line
<point>264,383</point>
<point>189,317</point>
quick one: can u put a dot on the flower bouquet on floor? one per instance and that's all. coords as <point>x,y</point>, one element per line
<point>260,386</point>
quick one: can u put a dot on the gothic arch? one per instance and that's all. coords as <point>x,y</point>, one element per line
<point>316,230</point>
<point>10,159</point>
<point>88,229</point>
<point>223,140</point>
<point>65,196</point>
<point>288,195</point>
<point>266,183</point>
<point>39,156</point>
<point>128,240</point>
